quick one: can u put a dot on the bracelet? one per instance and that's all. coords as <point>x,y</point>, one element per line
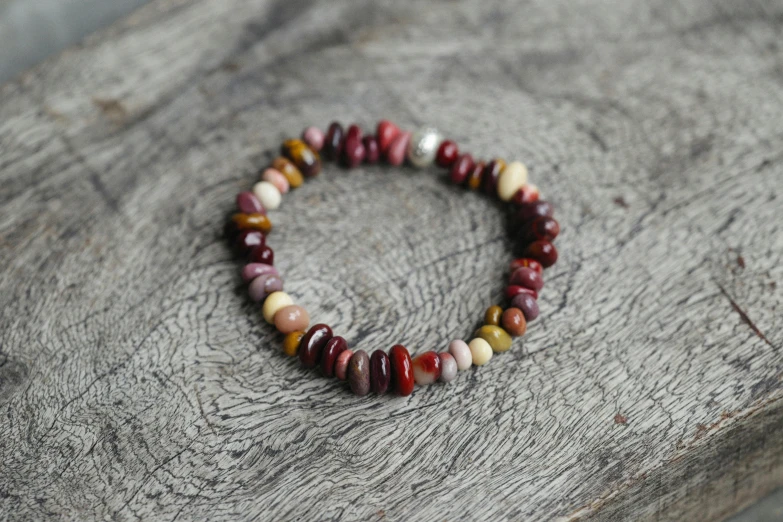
<point>317,346</point>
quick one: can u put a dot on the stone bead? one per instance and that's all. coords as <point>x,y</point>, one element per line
<point>263,285</point>
<point>292,174</point>
<point>513,178</point>
<point>372,153</point>
<point>402,373</point>
<point>306,159</point>
<point>528,305</point>
<point>492,315</point>
<point>489,182</point>
<point>314,137</point>
<point>248,203</point>
<point>528,278</point>
<point>395,155</point>
<point>380,371</point>
<point>423,147</point>
<point>480,351</point>
<point>461,352</point>
<point>274,302</point>
<point>334,347</point>
<point>475,176</point>
<point>448,152</point>
<point>276,178</point>
<point>341,364</point>
<point>529,211</point>
<point>252,270</point>
<point>385,133</point>
<point>313,344</point>
<point>544,228</point>
<point>291,318</point>
<point>497,337</point>
<point>448,367</point>
<point>247,240</point>
<point>514,322</point>
<point>426,368</point>
<point>252,222</point>
<point>461,168</point>
<point>542,251</point>
<point>514,290</point>
<point>526,261</point>
<point>262,254</point>
<point>359,373</point>
<point>333,144</point>
<point>527,194</point>
<point>353,147</point>
<point>291,343</point>
<point>268,194</point>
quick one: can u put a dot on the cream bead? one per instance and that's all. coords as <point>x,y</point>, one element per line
<point>268,194</point>
<point>480,350</point>
<point>424,146</point>
<point>513,178</point>
<point>274,302</point>
<point>459,349</point>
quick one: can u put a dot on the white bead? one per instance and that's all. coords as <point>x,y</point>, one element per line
<point>267,194</point>
<point>274,302</point>
<point>481,351</point>
<point>459,349</point>
<point>424,146</point>
<point>513,178</point>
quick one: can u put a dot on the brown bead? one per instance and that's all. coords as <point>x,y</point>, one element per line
<point>544,228</point>
<point>331,352</point>
<point>460,169</point>
<point>359,373</point>
<point>306,159</point>
<point>252,222</point>
<point>289,170</point>
<point>291,318</point>
<point>492,315</point>
<point>448,152</point>
<point>380,371</point>
<point>312,343</point>
<point>514,322</point>
<point>489,182</point>
<point>525,261</point>
<point>291,343</point>
<point>542,251</point>
<point>529,211</point>
<point>333,146</point>
<point>475,176</point>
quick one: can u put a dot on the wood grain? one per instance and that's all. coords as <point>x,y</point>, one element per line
<point>138,382</point>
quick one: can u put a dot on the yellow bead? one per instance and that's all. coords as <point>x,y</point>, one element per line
<point>291,343</point>
<point>274,302</point>
<point>289,170</point>
<point>497,337</point>
<point>511,179</point>
<point>252,222</point>
<point>493,314</point>
<point>306,159</point>
<point>480,350</point>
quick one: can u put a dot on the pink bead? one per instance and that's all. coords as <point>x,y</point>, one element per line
<point>314,137</point>
<point>341,364</point>
<point>253,270</point>
<point>528,278</point>
<point>248,203</point>
<point>276,178</point>
<point>399,146</point>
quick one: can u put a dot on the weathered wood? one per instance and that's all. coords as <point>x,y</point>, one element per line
<point>137,382</point>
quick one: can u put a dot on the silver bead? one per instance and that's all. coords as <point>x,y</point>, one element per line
<point>424,146</point>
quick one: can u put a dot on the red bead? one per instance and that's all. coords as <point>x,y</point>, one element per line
<point>447,154</point>
<point>525,261</point>
<point>489,181</point>
<point>371,151</point>
<point>426,368</point>
<point>333,146</point>
<point>333,348</point>
<point>528,278</point>
<point>514,290</point>
<point>385,134</point>
<point>544,228</point>
<point>402,372</point>
<point>542,251</point>
<point>313,343</point>
<point>527,194</point>
<point>248,203</point>
<point>247,240</point>
<point>460,169</point>
<point>262,254</point>
<point>380,371</point>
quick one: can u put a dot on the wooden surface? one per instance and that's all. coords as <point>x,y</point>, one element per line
<point>138,382</point>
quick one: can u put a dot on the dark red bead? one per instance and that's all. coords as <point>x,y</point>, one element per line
<point>353,148</point>
<point>372,153</point>
<point>514,290</point>
<point>248,203</point>
<point>489,182</point>
<point>401,370</point>
<point>247,240</point>
<point>262,254</point>
<point>333,145</point>
<point>530,211</point>
<point>380,371</point>
<point>544,228</point>
<point>526,261</point>
<point>334,347</point>
<point>542,251</point>
<point>313,343</point>
<point>448,152</point>
<point>527,194</point>
<point>385,134</point>
<point>528,278</point>
<point>460,169</point>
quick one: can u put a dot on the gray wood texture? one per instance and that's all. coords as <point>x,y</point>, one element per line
<point>138,383</point>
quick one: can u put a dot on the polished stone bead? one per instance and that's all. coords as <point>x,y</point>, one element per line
<point>461,168</point>
<point>395,155</point>
<point>529,211</point>
<point>475,176</point>
<point>448,367</point>
<point>528,278</point>
<point>423,147</point>
<point>402,373</point>
<point>332,350</point>
<point>252,222</point>
<point>291,343</point>
<point>426,368</point>
<point>514,322</point>
<point>248,203</point>
<point>268,194</point>
<point>247,240</point>
<point>492,315</point>
<point>353,147</point>
<point>262,254</point>
<point>274,302</point>
<point>544,228</point>
<point>461,352</point>
<point>528,305</point>
<point>313,344</point>
<point>513,178</point>
<point>292,174</point>
<point>341,364</point>
<point>276,178</point>
<point>526,261</point>
<point>480,351</point>
<point>333,145</point>
<point>263,285</point>
<point>542,251</point>
<point>527,194</point>
<point>380,371</point>
<point>252,270</point>
<point>496,336</point>
<point>514,290</point>
<point>371,151</point>
<point>448,152</point>
<point>306,159</point>
<point>314,137</point>
<point>291,318</point>
<point>359,373</point>
<point>385,133</point>
<point>489,181</point>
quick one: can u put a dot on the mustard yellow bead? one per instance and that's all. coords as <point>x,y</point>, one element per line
<point>480,350</point>
<point>493,314</point>
<point>497,337</point>
<point>306,159</point>
<point>289,170</point>
<point>291,343</point>
<point>274,302</point>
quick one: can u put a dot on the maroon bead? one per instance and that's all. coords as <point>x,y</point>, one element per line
<point>385,134</point>
<point>542,251</point>
<point>334,347</point>
<point>528,305</point>
<point>372,153</point>
<point>460,169</point>
<point>544,228</point>
<point>525,261</point>
<point>248,203</point>
<point>489,181</point>
<point>333,146</point>
<point>313,343</point>
<point>448,152</point>
<point>401,370</point>
<point>514,290</point>
<point>353,148</point>
<point>530,211</point>
<point>262,254</point>
<point>380,371</point>
<point>247,240</point>
<point>359,373</point>
<point>527,194</point>
<point>528,278</point>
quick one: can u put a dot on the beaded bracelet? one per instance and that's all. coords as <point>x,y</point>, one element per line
<point>317,346</point>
